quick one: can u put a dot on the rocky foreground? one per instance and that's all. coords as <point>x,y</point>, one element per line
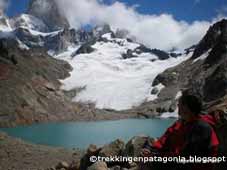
<point>132,149</point>
<point>16,154</point>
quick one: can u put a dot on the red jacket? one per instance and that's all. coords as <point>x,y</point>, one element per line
<point>173,140</point>
<point>176,141</point>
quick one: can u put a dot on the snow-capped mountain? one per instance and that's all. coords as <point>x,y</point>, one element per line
<point>113,69</point>
<point>30,22</point>
<point>115,73</point>
<point>31,31</point>
<point>204,73</point>
<point>4,24</point>
<point>49,13</point>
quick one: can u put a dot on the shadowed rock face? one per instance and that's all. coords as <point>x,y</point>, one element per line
<point>212,37</point>
<point>30,89</point>
<point>29,86</point>
<point>56,42</point>
<point>28,21</point>
<point>48,11</point>
<point>205,73</point>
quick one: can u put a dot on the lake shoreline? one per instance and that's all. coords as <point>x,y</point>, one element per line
<point>17,154</point>
<point>108,116</point>
<point>82,134</point>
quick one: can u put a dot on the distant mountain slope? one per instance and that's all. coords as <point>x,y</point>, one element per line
<point>204,73</point>
<point>29,86</point>
<point>115,73</point>
<point>30,22</point>
<point>49,13</point>
<point>110,71</point>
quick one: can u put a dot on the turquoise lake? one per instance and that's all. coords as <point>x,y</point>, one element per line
<point>81,134</point>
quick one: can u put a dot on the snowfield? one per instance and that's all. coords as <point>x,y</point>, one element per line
<point>109,80</point>
<point>30,22</point>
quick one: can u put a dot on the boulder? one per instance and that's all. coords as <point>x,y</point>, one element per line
<point>85,161</point>
<point>62,165</point>
<point>92,149</point>
<point>115,168</point>
<point>84,49</point>
<point>75,165</point>
<point>134,146</point>
<point>113,149</point>
<point>129,54</point>
<point>98,166</point>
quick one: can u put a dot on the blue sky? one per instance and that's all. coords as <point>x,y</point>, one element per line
<point>187,10</point>
<point>145,22</point>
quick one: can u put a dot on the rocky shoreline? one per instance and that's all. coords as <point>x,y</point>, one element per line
<point>30,91</point>
<point>16,154</point>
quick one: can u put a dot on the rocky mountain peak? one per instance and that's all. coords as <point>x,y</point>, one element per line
<point>30,22</point>
<point>100,30</point>
<point>122,33</point>
<point>49,12</point>
<point>204,74</point>
<point>216,33</point>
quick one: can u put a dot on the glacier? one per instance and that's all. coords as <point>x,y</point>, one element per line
<point>110,81</point>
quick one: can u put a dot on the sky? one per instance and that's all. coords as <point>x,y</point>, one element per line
<point>16,7</point>
<point>187,10</point>
<point>163,24</point>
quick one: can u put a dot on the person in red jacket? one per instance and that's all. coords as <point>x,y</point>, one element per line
<point>191,135</point>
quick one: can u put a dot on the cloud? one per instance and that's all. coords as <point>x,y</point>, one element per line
<point>221,12</point>
<point>157,31</point>
<point>4,4</point>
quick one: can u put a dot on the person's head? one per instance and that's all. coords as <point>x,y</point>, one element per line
<point>189,106</point>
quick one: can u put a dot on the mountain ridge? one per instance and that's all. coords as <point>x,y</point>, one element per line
<point>37,38</point>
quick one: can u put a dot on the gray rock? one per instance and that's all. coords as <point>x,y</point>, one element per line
<point>121,33</point>
<point>33,24</point>
<point>129,54</point>
<point>113,149</point>
<point>115,168</point>
<point>98,166</point>
<point>101,30</point>
<point>135,145</point>
<point>62,165</point>
<point>154,91</point>
<point>84,49</point>
<point>49,12</point>
<point>92,149</point>
<point>205,78</point>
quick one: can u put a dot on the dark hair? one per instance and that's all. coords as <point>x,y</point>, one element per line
<point>193,103</point>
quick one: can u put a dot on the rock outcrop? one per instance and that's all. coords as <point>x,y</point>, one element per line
<point>133,149</point>
<point>20,155</point>
<point>30,87</point>
<point>48,11</point>
<point>205,73</point>
<point>29,21</point>
<point>115,148</point>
